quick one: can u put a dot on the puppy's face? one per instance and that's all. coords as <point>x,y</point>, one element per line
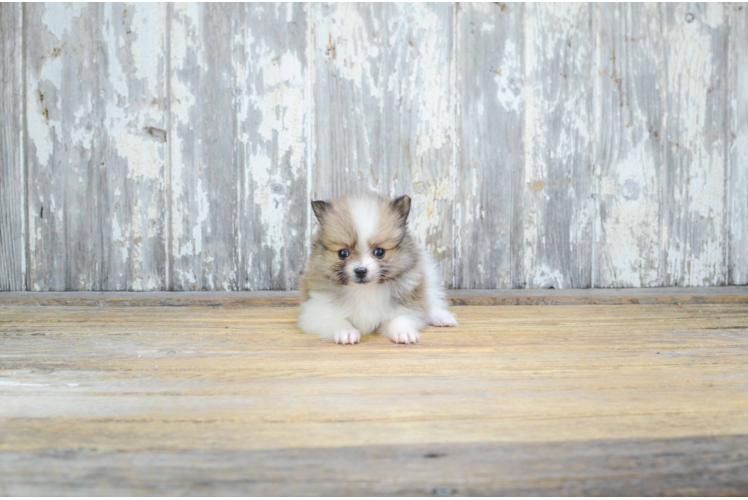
<point>361,238</point>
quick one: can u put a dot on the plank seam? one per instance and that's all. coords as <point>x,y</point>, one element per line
<point>727,199</point>
<point>239,214</point>
<point>26,258</point>
<point>311,97</point>
<point>664,171</point>
<point>597,134</point>
<point>456,103</point>
<point>168,285</point>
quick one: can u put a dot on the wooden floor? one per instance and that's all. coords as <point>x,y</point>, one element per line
<point>575,399</point>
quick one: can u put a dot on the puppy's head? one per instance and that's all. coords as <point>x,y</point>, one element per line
<point>363,240</point>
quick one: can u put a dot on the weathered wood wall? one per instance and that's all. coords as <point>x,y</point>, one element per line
<point>155,146</point>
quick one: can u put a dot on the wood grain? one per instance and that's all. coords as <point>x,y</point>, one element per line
<point>558,187</point>
<point>273,100</point>
<point>239,155</point>
<point>583,398</point>
<point>695,144</point>
<point>690,466</point>
<point>12,188</point>
<point>96,130</point>
<point>737,192</point>
<point>630,82</point>
<point>205,192</point>
<point>490,81</point>
<point>384,110</point>
<point>177,147</point>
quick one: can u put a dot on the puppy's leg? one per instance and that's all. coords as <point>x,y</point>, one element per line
<point>403,329</point>
<point>319,317</point>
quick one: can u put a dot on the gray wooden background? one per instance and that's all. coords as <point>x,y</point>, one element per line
<point>155,146</point>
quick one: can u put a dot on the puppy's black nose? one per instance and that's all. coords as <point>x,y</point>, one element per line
<point>360,272</point>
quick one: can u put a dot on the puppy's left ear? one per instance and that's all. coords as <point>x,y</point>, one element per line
<point>401,206</point>
<point>320,209</point>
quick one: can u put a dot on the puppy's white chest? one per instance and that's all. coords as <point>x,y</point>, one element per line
<point>369,308</point>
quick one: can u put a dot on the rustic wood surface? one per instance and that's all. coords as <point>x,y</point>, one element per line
<point>558,204</point>
<point>737,193</point>
<point>239,146</point>
<point>631,143</point>
<point>96,121</point>
<point>627,399</point>
<point>12,180</point>
<point>488,248</point>
<point>694,246</point>
<point>177,146</point>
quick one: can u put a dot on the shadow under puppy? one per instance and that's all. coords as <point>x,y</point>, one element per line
<point>366,274</point>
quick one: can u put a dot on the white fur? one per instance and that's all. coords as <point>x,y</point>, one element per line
<point>403,329</point>
<point>366,214</point>
<point>438,313</point>
<point>367,309</point>
<point>364,309</point>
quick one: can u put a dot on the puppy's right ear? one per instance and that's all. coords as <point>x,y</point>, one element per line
<point>320,209</point>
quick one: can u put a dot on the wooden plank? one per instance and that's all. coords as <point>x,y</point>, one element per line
<point>737,194</point>
<point>625,397</point>
<point>239,156</point>
<point>575,296</point>
<point>273,102</point>
<point>631,82</point>
<point>384,110</point>
<point>490,75</point>
<point>558,206</point>
<point>204,171</point>
<point>694,243</point>
<point>96,131</point>
<point>12,199</point>
<point>688,466</point>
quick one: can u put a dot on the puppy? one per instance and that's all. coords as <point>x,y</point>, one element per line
<point>367,274</point>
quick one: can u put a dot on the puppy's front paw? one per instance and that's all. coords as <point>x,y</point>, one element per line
<point>442,317</point>
<point>404,336</point>
<point>347,336</point>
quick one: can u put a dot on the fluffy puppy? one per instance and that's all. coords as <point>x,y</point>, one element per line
<point>367,274</point>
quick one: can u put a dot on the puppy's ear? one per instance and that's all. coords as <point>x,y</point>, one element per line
<point>320,209</point>
<point>401,206</point>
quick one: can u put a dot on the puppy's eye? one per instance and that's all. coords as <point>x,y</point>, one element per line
<point>343,254</point>
<point>379,253</point>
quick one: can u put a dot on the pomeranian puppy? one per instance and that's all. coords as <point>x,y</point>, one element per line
<point>367,274</point>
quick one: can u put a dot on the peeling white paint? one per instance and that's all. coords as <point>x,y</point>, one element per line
<point>509,88</point>
<point>203,209</point>
<point>278,104</point>
<point>44,129</point>
<point>696,257</point>
<point>395,61</point>
<point>185,30</point>
<point>535,168</point>
<point>342,37</point>
<point>430,80</point>
<point>629,241</point>
<point>546,277</point>
<point>427,217</point>
<point>58,18</point>
<point>147,22</point>
<point>273,209</point>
